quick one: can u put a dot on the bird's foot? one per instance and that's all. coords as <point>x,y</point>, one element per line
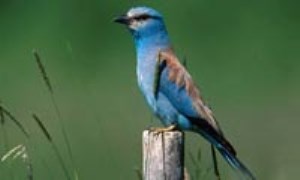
<point>158,130</point>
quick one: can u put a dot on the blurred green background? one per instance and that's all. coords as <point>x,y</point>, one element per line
<point>244,55</point>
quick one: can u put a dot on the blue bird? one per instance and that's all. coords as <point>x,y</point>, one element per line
<point>167,86</point>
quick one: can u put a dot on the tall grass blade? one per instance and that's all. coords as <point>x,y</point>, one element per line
<point>5,138</point>
<point>57,111</point>
<point>14,119</point>
<point>54,147</point>
<point>2,122</point>
<point>196,165</point>
<point>2,118</point>
<point>42,127</point>
<point>29,167</point>
<point>43,71</point>
<point>138,172</point>
<point>215,162</point>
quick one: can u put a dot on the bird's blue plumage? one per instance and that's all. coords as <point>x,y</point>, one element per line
<point>168,88</point>
<point>177,95</point>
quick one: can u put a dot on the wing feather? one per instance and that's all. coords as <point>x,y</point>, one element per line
<point>177,85</point>
<point>178,75</point>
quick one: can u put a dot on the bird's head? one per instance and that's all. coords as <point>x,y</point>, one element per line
<point>142,21</point>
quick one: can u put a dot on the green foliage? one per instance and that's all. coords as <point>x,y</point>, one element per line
<point>244,55</point>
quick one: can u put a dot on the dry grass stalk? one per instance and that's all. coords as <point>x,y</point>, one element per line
<point>20,151</point>
<point>186,174</point>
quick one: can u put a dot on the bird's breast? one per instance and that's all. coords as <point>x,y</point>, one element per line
<point>145,77</point>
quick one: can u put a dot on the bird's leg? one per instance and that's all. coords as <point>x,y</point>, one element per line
<point>158,130</point>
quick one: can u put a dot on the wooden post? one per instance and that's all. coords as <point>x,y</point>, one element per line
<point>163,155</point>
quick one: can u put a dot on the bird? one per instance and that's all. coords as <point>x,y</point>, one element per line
<point>168,87</point>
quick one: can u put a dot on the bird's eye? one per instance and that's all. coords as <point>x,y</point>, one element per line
<point>142,17</point>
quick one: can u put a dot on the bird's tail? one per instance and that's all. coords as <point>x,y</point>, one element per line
<point>223,146</point>
<point>236,164</point>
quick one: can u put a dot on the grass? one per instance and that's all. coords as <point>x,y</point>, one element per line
<point>54,146</point>
<point>198,171</point>
<point>6,113</point>
<point>49,86</point>
<point>21,151</point>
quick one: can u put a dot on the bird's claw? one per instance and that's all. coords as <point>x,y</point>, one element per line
<point>159,130</point>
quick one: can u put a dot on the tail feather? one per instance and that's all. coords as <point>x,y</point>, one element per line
<point>237,164</point>
<point>224,147</point>
<point>211,134</point>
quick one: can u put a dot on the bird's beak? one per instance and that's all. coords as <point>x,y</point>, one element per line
<point>123,19</point>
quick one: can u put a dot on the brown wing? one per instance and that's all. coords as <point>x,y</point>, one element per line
<point>179,75</point>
